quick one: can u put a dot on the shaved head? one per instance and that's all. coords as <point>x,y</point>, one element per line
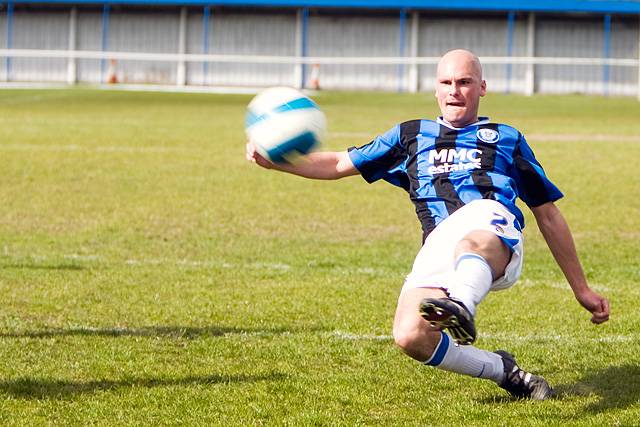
<point>459,86</point>
<point>457,57</point>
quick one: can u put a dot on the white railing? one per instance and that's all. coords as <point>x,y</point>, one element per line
<point>180,59</point>
<point>309,60</point>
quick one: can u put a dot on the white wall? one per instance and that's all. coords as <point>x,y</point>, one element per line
<point>40,30</point>
<point>89,37</point>
<point>582,37</point>
<point>484,36</point>
<point>353,36</point>
<point>249,34</point>
<point>3,43</point>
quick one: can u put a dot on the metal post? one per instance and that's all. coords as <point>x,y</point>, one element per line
<point>414,75</point>
<point>606,53</point>
<point>181,72</point>
<point>638,88</point>
<point>511,21</point>
<point>206,17</point>
<point>72,68</point>
<point>530,76</point>
<point>7,63</point>
<point>403,30</point>
<point>297,67</point>
<point>302,17</point>
<point>305,28</point>
<point>105,38</point>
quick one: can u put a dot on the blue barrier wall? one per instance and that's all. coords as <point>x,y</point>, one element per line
<point>591,6</point>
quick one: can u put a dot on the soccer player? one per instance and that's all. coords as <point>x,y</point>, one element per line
<point>463,174</point>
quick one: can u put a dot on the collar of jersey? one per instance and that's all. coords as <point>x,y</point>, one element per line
<point>481,121</point>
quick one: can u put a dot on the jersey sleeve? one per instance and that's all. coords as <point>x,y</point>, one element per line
<point>377,159</point>
<point>533,186</point>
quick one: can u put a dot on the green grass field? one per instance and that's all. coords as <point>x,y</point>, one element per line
<point>150,275</point>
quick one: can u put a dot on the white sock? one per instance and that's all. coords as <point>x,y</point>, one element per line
<point>466,360</point>
<point>471,280</point>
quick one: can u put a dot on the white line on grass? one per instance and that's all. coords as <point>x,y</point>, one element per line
<point>89,258</point>
<point>270,266</point>
<point>184,262</point>
<point>156,261</point>
<point>99,149</point>
<point>277,266</point>
<point>78,257</point>
<point>528,283</point>
<point>208,264</point>
<point>273,266</point>
<point>354,337</point>
<point>189,263</point>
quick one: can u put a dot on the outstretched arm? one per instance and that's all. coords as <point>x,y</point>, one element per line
<point>317,165</point>
<point>556,232</point>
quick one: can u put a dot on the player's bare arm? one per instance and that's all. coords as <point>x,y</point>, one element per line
<point>556,232</point>
<point>317,165</point>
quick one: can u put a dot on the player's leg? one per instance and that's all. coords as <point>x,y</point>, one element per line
<point>480,257</point>
<point>431,279</point>
<point>411,333</point>
<point>429,345</point>
<point>433,347</point>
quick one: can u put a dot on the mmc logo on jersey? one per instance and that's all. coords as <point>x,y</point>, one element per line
<point>451,160</point>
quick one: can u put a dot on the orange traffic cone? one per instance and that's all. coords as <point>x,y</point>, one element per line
<point>112,77</point>
<point>314,78</point>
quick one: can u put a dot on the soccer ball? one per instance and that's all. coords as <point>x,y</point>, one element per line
<point>284,124</point>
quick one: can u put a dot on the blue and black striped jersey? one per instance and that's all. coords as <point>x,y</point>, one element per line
<point>443,168</point>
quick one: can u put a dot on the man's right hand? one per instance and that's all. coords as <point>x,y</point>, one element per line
<point>255,157</point>
<point>316,165</point>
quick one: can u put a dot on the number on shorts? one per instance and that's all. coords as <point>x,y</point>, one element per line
<point>499,220</point>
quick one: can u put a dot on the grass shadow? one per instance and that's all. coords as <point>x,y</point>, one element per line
<point>617,387</point>
<point>29,388</point>
<point>187,332</point>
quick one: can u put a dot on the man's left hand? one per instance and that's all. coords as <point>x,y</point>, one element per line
<point>596,304</point>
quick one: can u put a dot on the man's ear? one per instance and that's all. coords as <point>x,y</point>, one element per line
<point>483,88</point>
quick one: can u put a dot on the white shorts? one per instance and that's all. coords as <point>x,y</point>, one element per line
<point>435,261</point>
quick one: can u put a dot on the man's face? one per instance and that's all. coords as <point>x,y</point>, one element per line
<point>459,86</point>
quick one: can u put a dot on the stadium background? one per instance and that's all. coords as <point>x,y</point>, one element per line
<point>529,46</point>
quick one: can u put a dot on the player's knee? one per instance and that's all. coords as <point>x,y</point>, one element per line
<point>416,342</point>
<point>403,338</point>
